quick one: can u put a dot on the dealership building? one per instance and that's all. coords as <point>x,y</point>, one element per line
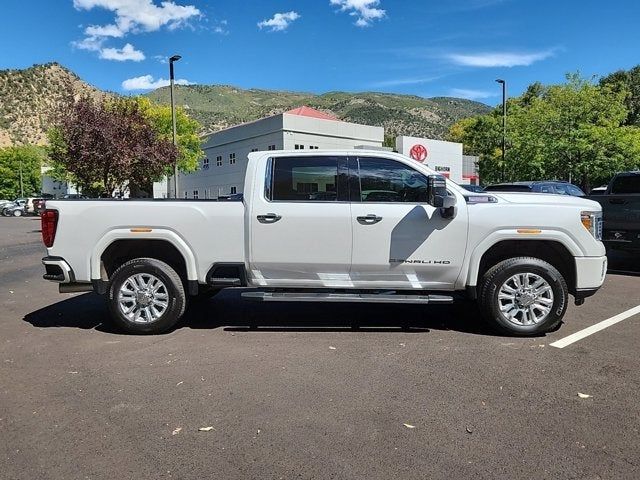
<point>222,170</point>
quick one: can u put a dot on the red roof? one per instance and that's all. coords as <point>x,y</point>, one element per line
<point>310,112</point>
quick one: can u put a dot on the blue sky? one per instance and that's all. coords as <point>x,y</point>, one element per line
<point>421,47</point>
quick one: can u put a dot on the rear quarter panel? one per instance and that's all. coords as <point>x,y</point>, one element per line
<point>209,231</point>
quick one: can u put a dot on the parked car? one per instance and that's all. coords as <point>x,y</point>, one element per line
<point>17,209</point>
<point>598,191</point>
<point>473,188</point>
<point>555,187</point>
<point>9,209</point>
<point>519,257</point>
<point>31,205</point>
<point>621,208</point>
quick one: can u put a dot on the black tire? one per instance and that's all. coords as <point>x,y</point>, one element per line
<point>174,291</point>
<point>495,278</point>
<point>17,213</point>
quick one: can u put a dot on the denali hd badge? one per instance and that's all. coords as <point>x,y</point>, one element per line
<point>423,262</point>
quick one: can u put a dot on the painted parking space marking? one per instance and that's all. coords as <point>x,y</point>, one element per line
<point>574,337</point>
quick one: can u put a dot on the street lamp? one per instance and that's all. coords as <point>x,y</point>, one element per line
<point>504,122</point>
<point>173,59</point>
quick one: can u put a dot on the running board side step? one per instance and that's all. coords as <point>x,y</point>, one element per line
<point>345,297</point>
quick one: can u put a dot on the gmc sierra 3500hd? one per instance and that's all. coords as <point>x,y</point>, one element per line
<point>332,226</point>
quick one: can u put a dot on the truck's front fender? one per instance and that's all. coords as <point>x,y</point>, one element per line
<point>473,266</point>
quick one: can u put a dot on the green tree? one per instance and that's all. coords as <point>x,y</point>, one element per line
<point>189,142</point>
<point>108,146</point>
<point>574,131</point>
<point>629,81</point>
<point>27,158</point>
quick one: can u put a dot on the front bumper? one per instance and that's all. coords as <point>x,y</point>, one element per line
<point>58,270</point>
<point>590,273</point>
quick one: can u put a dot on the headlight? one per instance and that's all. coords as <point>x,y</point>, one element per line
<point>592,221</point>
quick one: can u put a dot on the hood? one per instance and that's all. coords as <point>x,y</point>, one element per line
<point>547,199</point>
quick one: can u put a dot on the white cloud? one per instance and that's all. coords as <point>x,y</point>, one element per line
<point>470,94</point>
<point>365,11</point>
<point>397,82</point>
<point>103,31</point>
<point>500,59</point>
<point>133,15</point>
<point>146,82</point>
<point>279,22</point>
<point>93,44</point>
<point>128,52</point>
<point>221,27</point>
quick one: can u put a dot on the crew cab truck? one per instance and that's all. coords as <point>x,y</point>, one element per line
<point>332,226</point>
<point>621,207</point>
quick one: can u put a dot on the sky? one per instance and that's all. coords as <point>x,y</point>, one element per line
<point>419,47</point>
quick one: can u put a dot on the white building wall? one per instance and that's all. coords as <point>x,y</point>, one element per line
<point>280,132</point>
<point>444,157</point>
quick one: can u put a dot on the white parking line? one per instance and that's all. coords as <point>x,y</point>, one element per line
<point>574,337</point>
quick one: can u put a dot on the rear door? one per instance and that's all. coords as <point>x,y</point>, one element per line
<point>301,223</point>
<point>399,240</point>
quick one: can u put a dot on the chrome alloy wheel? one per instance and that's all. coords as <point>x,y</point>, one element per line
<point>143,298</point>
<point>525,299</point>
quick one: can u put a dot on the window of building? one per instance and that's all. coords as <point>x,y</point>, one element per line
<point>186,194</point>
<point>384,180</point>
<point>304,179</point>
<point>299,147</point>
<point>205,163</point>
<point>219,161</point>
<point>234,190</point>
<point>254,149</point>
<point>271,147</point>
<point>195,194</point>
<point>232,159</point>
<point>313,147</point>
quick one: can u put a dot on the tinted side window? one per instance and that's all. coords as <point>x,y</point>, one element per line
<point>626,184</point>
<point>561,189</point>
<point>383,180</point>
<point>304,179</point>
<point>575,191</point>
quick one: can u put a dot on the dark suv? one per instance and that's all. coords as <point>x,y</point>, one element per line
<point>556,187</point>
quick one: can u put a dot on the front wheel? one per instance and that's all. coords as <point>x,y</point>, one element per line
<point>146,296</point>
<point>523,296</point>
<point>17,213</point>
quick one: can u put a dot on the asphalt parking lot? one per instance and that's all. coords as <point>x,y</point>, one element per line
<point>306,396</point>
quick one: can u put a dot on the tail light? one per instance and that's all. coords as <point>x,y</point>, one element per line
<point>49,222</point>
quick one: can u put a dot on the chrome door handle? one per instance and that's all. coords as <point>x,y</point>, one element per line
<point>369,219</point>
<point>269,218</point>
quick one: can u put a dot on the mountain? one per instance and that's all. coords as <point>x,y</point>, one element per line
<point>28,98</point>
<point>220,106</point>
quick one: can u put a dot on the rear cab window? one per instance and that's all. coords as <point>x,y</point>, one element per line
<point>307,179</point>
<point>626,184</point>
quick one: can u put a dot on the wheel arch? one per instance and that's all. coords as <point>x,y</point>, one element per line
<point>551,251</point>
<point>118,247</point>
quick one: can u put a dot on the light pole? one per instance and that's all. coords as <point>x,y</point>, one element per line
<point>504,122</point>
<point>173,59</point>
<point>21,184</point>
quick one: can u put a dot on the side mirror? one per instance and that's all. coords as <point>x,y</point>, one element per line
<point>438,196</point>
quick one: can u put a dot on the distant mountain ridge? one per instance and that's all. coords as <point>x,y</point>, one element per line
<point>29,96</point>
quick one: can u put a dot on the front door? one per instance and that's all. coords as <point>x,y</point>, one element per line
<point>399,240</point>
<point>301,224</point>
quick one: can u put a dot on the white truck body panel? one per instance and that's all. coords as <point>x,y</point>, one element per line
<point>323,244</point>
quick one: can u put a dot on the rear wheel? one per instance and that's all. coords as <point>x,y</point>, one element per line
<point>146,296</point>
<point>523,296</point>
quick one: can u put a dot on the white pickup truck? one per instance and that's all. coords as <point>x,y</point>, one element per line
<point>332,226</point>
